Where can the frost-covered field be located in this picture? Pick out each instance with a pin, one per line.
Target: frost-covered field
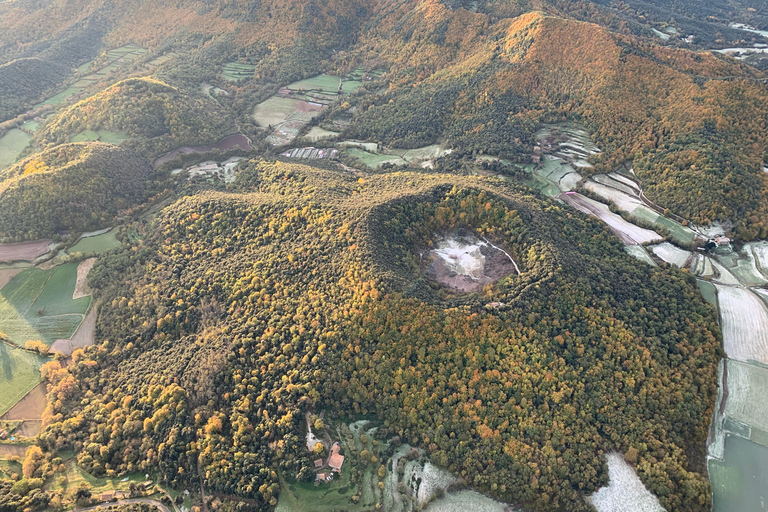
(639, 252)
(624, 492)
(466, 501)
(629, 233)
(744, 323)
(722, 275)
(747, 385)
(623, 200)
(671, 254)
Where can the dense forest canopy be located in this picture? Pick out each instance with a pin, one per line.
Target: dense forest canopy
(79, 187)
(235, 308)
(294, 289)
(155, 116)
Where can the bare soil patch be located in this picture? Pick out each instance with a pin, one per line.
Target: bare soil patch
(30, 407)
(466, 264)
(81, 286)
(23, 251)
(9, 450)
(29, 428)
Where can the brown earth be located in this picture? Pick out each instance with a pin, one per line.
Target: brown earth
(497, 265)
(30, 407)
(81, 286)
(24, 250)
(7, 274)
(9, 450)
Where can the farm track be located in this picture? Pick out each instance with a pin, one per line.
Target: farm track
(155, 503)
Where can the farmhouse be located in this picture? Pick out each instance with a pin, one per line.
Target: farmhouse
(3, 434)
(336, 460)
(318, 463)
(107, 496)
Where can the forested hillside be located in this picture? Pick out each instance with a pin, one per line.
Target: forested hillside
(298, 288)
(694, 124)
(80, 187)
(153, 115)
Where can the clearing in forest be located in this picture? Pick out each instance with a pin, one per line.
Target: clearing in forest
(287, 112)
(95, 244)
(466, 264)
(624, 491)
(235, 71)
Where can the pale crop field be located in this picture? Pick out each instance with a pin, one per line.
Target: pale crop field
(745, 324)
(747, 384)
(624, 492)
(671, 254)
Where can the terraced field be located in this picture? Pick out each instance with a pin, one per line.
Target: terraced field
(235, 71)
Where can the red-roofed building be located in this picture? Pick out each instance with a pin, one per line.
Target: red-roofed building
(336, 460)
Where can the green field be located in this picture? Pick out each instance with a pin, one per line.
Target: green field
(234, 71)
(19, 373)
(75, 476)
(95, 244)
(740, 481)
(37, 305)
(374, 160)
(708, 291)
(11, 145)
(101, 135)
(326, 83)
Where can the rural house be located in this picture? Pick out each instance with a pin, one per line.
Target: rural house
(336, 460)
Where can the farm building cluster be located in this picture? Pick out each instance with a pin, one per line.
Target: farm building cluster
(330, 466)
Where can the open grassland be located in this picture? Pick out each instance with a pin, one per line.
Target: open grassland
(708, 291)
(37, 305)
(745, 324)
(11, 145)
(76, 476)
(95, 244)
(19, 373)
(740, 481)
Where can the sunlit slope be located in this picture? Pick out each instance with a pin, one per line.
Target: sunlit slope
(694, 124)
(155, 116)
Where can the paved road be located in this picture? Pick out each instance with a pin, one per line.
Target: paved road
(157, 504)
